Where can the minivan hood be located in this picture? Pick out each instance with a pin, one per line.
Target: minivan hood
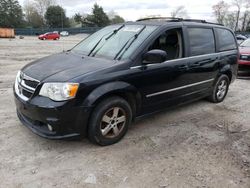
(64, 66)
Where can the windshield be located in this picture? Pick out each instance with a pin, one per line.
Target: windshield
(109, 41)
(246, 43)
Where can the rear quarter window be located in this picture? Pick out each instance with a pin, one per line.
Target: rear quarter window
(226, 40)
(201, 41)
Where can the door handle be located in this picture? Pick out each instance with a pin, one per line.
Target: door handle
(203, 62)
(197, 64)
(183, 67)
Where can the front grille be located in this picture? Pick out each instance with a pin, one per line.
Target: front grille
(25, 86)
(30, 83)
(245, 57)
(27, 93)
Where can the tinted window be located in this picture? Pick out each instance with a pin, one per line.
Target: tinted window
(201, 41)
(226, 40)
(170, 42)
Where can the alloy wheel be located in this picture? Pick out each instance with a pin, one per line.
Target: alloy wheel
(222, 89)
(113, 122)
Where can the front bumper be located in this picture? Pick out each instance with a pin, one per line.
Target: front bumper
(67, 120)
(43, 130)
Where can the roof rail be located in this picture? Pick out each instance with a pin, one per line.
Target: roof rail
(177, 20)
(200, 21)
(160, 18)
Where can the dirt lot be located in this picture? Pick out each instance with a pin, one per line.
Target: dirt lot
(197, 145)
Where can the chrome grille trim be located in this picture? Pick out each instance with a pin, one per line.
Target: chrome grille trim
(24, 86)
(25, 77)
(20, 86)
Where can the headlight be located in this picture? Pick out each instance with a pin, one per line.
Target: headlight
(59, 91)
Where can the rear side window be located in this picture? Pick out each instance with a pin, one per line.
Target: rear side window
(201, 41)
(226, 40)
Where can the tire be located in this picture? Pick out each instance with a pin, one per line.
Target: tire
(220, 89)
(109, 121)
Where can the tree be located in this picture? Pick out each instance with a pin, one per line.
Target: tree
(220, 11)
(32, 17)
(55, 17)
(179, 11)
(43, 5)
(230, 20)
(246, 16)
(72, 22)
(238, 4)
(237, 20)
(117, 19)
(98, 17)
(11, 14)
(78, 18)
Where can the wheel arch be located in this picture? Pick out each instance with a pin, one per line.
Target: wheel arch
(118, 88)
(227, 70)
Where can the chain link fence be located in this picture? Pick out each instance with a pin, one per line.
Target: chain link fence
(72, 31)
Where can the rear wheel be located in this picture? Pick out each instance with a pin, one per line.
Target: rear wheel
(220, 89)
(109, 121)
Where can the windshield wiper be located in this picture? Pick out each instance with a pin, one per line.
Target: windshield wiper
(129, 44)
(113, 33)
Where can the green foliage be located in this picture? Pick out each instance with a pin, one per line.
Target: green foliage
(78, 18)
(98, 17)
(55, 17)
(11, 14)
(117, 19)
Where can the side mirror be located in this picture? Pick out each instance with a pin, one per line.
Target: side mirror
(154, 56)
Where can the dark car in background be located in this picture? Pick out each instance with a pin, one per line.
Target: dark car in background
(49, 36)
(122, 73)
(244, 59)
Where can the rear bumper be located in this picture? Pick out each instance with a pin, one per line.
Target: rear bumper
(244, 67)
(242, 62)
(67, 121)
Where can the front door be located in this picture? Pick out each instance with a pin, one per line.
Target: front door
(163, 84)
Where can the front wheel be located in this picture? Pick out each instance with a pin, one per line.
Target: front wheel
(109, 121)
(220, 89)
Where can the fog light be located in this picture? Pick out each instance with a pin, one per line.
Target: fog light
(50, 127)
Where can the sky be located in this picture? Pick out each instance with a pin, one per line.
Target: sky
(135, 9)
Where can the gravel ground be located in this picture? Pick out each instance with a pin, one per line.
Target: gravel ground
(196, 145)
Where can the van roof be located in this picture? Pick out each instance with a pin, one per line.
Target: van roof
(171, 20)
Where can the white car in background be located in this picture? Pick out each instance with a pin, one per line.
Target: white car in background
(64, 33)
(240, 39)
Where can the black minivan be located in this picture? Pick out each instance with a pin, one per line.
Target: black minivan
(123, 72)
